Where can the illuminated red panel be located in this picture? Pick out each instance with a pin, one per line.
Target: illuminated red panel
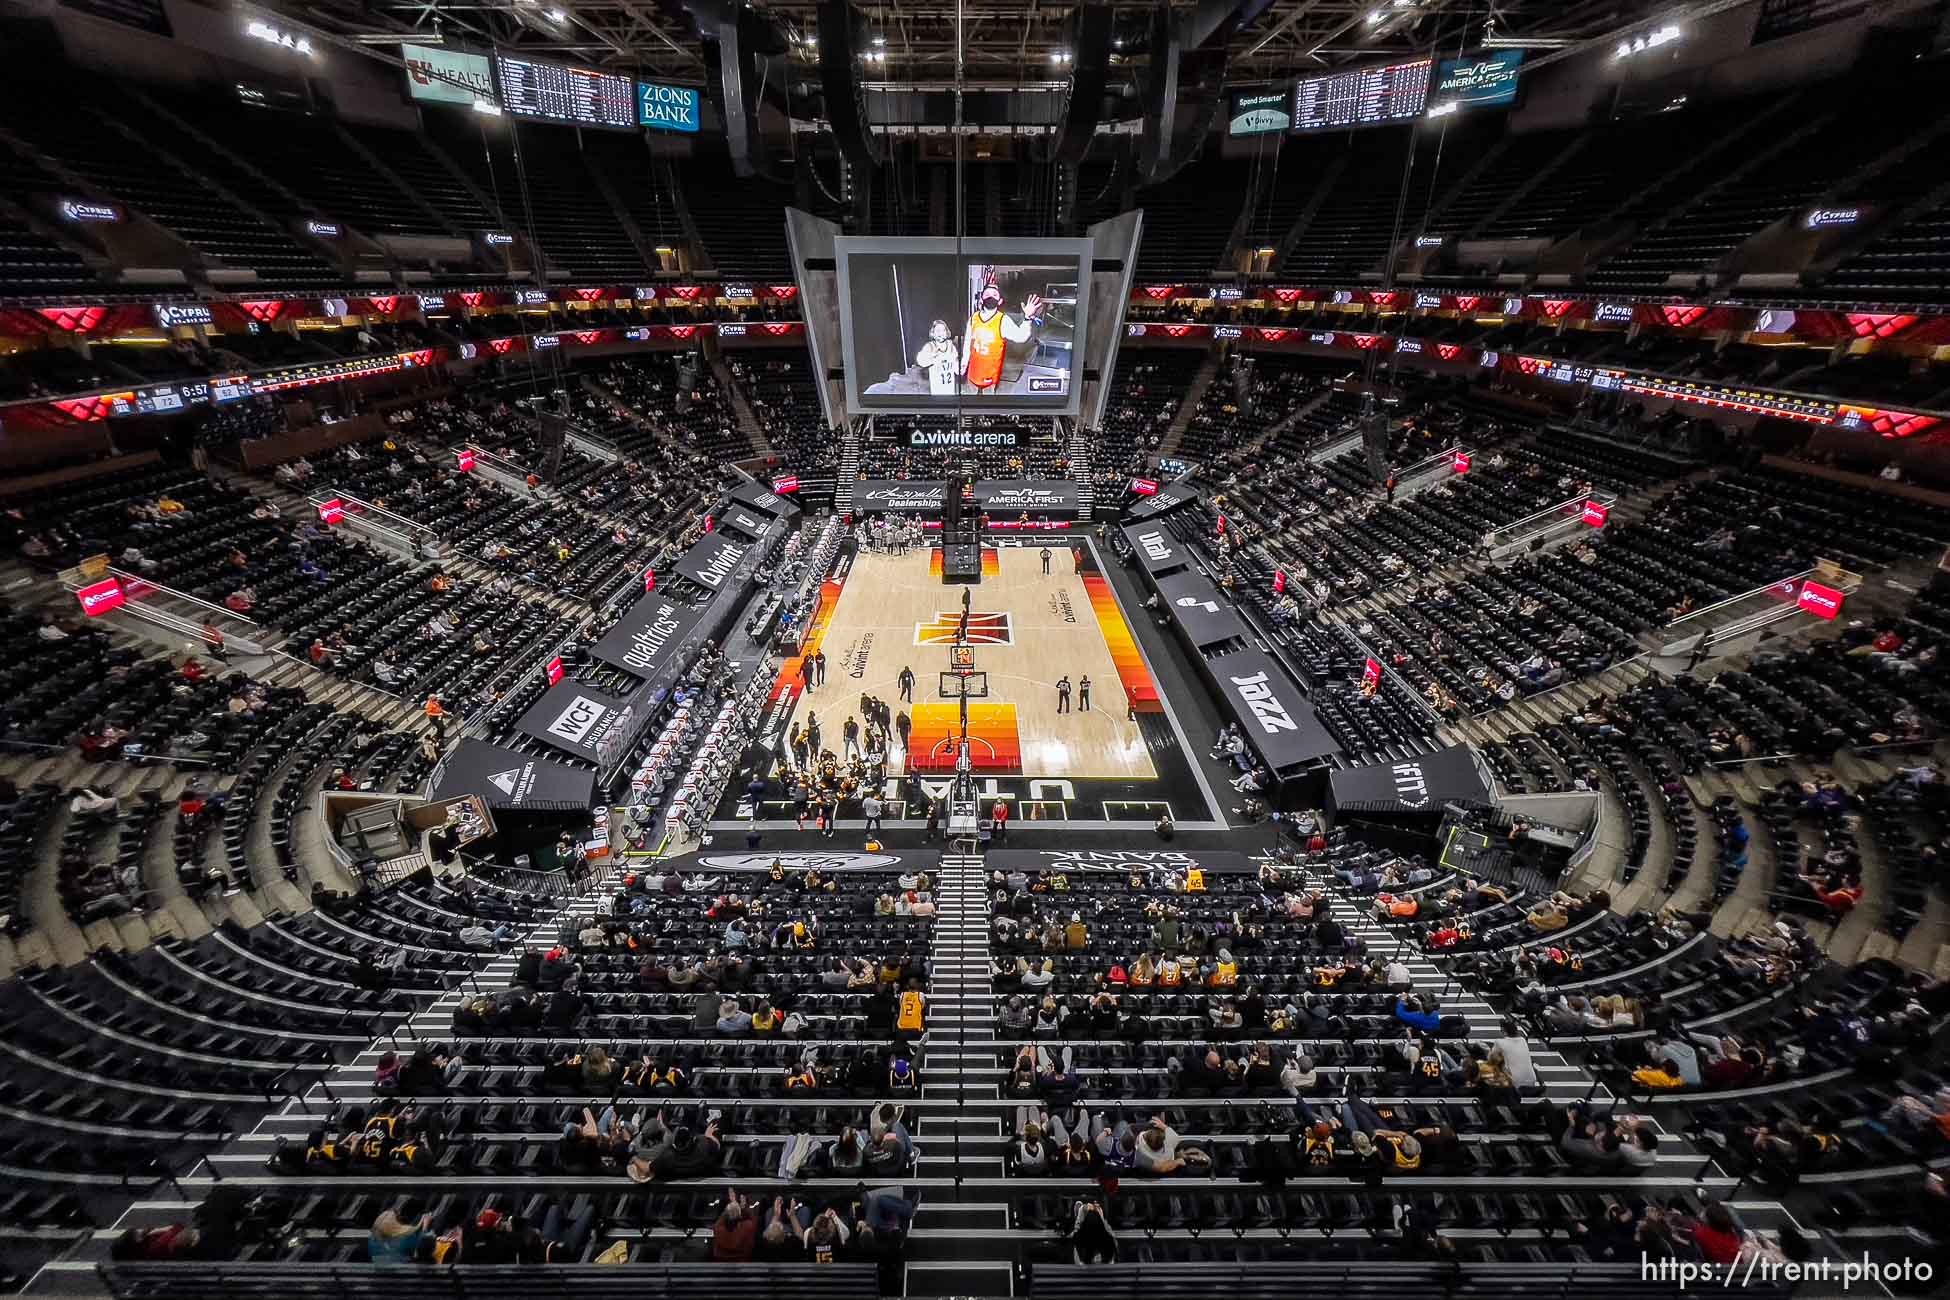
(786, 292)
(90, 409)
(682, 331)
(1272, 335)
(1366, 342)
(591, 294)
(1159, 292)
(1388, 299)
(1448, 351)
(1468, 302)
(780, 327)
(1679, 317)
(1889, 424)
(686, 291)
(1178, 331)
(502, 344)
(472, 298)
(1555, 307)
(75, 320)
(1289, 296)
(263, 312)
(384, 306)
(1879, 325)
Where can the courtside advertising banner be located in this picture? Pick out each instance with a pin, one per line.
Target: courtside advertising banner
(1157, 550)
(648, 638)
(875, 496)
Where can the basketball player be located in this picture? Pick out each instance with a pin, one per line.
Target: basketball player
(990, 330)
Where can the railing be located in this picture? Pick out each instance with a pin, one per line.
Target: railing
(1776, 601)
(136, 586)
(1558, 689)
(1447, 456)
(406, 535)
(522, 880)
(1924, 742)
(1520, 532)
(1429, 712)
(595, 447)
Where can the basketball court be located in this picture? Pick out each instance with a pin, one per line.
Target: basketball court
(1025, 630)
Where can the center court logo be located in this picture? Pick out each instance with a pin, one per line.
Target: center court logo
(983, 629)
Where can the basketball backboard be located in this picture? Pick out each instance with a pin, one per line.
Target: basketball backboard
(968, 685)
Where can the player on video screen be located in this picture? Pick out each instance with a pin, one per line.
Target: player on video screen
(941, 359)
(990, 330)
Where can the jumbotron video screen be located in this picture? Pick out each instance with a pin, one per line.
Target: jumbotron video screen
(936, 324)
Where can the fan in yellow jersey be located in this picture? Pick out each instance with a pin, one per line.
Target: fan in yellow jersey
(990, 330)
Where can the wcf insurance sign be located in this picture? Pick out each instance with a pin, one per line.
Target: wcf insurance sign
(666, 108)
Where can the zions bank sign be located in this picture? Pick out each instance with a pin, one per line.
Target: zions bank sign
(666, 108)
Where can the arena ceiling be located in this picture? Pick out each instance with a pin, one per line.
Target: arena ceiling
(1002, 42)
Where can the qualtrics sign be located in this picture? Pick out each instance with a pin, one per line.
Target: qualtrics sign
(1822, 602)
(1595, 514)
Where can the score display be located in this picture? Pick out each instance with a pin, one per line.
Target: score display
(557, 92)
(1393, 92)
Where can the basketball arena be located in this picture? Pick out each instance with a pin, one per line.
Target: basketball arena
(1077, 649)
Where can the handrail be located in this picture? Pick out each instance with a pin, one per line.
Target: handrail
(1564, 685)
(1795, 578)
(1846, 749)
(408, 531)
(1846, 580)
(153, 586)
(306, 663)
(1556, 513)
(1430, 462)
(1388, 670)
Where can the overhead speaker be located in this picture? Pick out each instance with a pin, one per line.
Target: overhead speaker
(838, 60)
(1090, 47)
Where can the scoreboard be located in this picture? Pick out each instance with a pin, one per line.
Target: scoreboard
(1393, 92)
(557, 92)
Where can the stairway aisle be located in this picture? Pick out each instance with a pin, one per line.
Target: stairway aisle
(849, 471)
(1082, 471)
(955, 1227)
